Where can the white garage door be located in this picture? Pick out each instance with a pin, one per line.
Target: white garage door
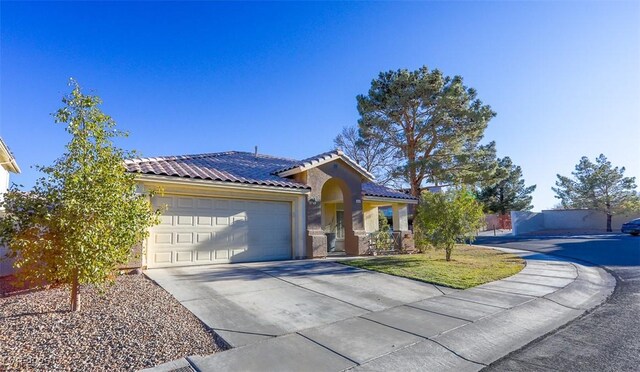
(200, 231)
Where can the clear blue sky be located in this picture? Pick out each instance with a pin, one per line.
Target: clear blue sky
(197, 77)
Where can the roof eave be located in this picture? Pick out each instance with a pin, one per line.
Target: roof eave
(144, 177)
(335, 156)
(387, 199)
(7, 160)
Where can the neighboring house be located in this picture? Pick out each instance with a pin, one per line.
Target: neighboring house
(238, 206)
(9, 165)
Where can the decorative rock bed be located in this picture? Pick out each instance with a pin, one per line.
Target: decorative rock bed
(134, 324)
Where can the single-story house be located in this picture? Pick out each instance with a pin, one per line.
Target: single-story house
(240, 206)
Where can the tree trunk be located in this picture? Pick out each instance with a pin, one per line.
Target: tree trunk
(75, 293)
(448, 253)
(609, 222)
(412, 173)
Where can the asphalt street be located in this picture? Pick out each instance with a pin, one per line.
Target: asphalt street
(605, 339)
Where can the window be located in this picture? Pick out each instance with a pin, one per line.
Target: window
(340, 224)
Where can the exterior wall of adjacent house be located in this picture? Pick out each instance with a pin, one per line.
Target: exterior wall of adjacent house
(577, 220)
(4, 181)
(6, 266)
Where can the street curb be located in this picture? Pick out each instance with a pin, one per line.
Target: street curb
(586, 312)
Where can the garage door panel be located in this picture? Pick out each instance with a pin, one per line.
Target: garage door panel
(203, 238)
(184, 256)
(184, 238)
(163, 202)
(222, 221)
(166, 220)
(204, 221)
(185, 203)
(205, 204)
(162, 257)
(195, 230)
(221, 255)
(185, 220)
(163, 238)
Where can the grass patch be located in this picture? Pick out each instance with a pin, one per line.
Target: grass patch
(469, 266)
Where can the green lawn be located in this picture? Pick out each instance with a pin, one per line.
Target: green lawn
(469, 266)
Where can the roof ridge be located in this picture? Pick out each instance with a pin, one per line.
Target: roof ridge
(179, 157)
(203, 155)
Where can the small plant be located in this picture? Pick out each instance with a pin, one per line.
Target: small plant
(384, 235)
(444, 219)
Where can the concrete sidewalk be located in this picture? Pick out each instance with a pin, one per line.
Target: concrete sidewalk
(460, 330)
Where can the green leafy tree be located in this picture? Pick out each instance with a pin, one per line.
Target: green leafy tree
(509, 193)
(81, 220)
(598, 186)
(447, 218)
(435, 124)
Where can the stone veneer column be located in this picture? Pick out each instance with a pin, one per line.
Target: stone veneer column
(316, 244)
(403, 241)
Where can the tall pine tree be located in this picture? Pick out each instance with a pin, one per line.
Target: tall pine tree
(508, 194)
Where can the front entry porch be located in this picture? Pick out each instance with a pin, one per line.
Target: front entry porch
(349, 220)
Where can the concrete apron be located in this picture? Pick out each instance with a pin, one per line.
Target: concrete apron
(460, 330)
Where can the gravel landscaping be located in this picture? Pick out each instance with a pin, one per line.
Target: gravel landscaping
(134, 324)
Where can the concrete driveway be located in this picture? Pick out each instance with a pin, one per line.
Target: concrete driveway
(246, 303)
(329, 317)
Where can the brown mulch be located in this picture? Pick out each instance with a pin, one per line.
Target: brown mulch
(134, 324)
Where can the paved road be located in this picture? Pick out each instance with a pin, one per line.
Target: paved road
(607, 338)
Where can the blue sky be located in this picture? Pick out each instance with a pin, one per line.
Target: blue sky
(184, 78)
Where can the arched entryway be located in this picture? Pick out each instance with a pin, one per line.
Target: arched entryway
(334, 205)
(336, 215)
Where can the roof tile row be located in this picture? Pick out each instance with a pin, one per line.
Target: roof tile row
(241, 167)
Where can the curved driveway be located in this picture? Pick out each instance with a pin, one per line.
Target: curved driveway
(607, 338)
(318, 315)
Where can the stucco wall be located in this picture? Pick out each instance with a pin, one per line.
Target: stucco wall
(6, 266)
(4, 180)
(371, 222)
(524, 222)
(566, 219)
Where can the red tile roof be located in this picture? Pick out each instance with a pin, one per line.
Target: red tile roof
(231, 166)
(241, 167)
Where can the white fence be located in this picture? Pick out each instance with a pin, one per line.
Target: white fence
(566, 219)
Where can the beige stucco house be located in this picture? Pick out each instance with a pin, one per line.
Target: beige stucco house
(240, 207)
